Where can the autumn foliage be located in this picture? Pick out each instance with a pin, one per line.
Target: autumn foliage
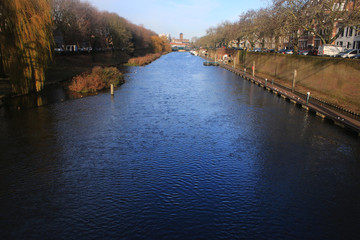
(98, 79)
(30, 29)
(160, 44)
(141, 61)
(25, 42)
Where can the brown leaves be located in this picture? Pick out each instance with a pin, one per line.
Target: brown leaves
(98, 79)
(26, 42)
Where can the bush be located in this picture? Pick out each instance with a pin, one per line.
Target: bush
(141, 61)
(98, 79)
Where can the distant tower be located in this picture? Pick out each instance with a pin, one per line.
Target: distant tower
(181, 37)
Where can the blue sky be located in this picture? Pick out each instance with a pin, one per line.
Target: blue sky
(191, 17)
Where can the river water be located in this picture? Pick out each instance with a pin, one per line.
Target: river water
(182, 151)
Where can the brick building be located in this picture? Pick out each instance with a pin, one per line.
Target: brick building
(180, 44)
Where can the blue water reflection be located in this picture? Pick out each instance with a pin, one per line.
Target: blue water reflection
(182, 151)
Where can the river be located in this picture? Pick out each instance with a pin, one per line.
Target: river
(182, 151)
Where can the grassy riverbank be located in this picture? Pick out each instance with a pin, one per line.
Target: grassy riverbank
(144, 60)
(64, 67)
(90, 73)
(333, 80)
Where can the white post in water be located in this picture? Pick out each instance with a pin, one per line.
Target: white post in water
(112, 89)
(307, 97)
(265, 82)
(293, 83)
(234, 62)
(244, 71)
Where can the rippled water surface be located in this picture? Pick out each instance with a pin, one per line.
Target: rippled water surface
(182, 151)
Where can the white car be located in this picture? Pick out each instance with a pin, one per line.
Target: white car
(349, 53)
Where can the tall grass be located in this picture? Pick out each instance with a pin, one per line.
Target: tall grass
(141, 61)
(98, 79)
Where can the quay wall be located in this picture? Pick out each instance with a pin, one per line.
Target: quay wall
(336, 80)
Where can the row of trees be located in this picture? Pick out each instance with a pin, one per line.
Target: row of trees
(81, 24)
(287, 19)
(28, 29)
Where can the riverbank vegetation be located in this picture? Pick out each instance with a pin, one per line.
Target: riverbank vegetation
(160, 45)
(141, 61)
(98, 79)
(30, 30)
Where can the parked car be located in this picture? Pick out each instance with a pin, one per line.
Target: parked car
(289, 51)
(58, 49)
(257, 49)
(303, 52)
(330, 50)
(313, 52)
(282, 51)
(71, 48)
(357, 56)
(349, 53)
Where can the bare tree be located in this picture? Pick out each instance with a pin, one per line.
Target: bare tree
(321, 17)
(117, 33)
(249, 30)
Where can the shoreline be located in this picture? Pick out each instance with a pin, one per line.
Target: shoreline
(337, 118)
(66, 66)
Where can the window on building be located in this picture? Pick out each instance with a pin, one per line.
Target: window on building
(340, 43)
(357, 44)
(350, 31)
(348, 45)
(342, 32)
(342, 6)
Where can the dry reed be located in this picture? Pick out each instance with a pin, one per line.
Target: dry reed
(98, 79)
(141, 61)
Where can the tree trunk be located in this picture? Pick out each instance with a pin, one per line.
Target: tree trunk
(2, 70)
(295, 43)
(276, 43)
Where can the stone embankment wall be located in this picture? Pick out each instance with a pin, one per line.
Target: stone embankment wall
(335, 79)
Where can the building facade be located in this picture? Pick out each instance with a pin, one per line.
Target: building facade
(180, 43)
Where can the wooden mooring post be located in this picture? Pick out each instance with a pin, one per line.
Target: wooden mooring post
(112, 89)
(307, 97)
(253, 69)
(293, 83)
